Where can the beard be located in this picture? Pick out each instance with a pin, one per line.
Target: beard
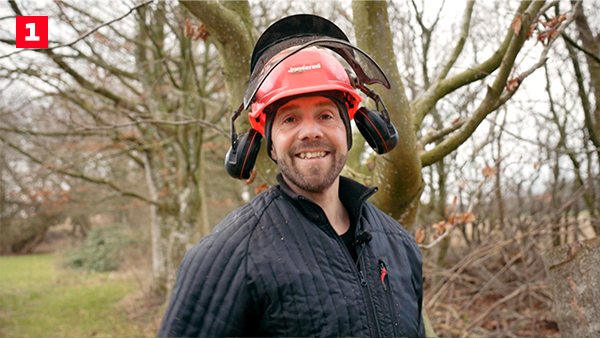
(314, 178)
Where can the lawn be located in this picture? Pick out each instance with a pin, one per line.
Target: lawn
(40, 299)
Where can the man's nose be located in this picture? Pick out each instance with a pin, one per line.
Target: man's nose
(310, 129)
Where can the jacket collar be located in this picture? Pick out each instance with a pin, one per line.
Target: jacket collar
(352, 194)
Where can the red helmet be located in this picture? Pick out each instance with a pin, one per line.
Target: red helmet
(310, 70)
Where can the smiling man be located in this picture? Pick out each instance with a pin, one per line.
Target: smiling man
(309, 144)
(310, 256)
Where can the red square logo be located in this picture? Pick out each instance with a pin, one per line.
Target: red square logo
(32, 32)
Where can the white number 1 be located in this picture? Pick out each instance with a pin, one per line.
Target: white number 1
(31, 37)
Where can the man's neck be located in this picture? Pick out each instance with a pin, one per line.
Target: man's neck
(329, 201)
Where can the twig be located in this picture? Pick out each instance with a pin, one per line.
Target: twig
(175, 123)
(90, 130)
(447, 232)
(502, 301)
(484, 251)
(581, 48)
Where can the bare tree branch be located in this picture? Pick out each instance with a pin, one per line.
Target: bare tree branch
(78, 175)
(581, 48)
(50, 134)
(15, 8)
(464, 33)
(424, 103)
(435, 135)
(495, 98)
(173, 123)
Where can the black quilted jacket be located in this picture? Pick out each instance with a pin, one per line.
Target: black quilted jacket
(276, 267)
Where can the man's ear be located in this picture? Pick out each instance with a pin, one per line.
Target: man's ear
(273, 154)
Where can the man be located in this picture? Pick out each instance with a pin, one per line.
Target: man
(310, 256)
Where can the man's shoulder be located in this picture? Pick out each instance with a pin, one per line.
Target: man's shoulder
(235, 229)
(248, 214)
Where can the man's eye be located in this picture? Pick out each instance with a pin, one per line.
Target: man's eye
(289, 119)
(326, 117)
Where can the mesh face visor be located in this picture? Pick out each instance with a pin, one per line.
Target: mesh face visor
(366, 69)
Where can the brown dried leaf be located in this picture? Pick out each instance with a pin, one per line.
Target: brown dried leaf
(452, 218)
(562, 17)
(252, 177)
(513, 84)
(261, 188)
(460, 219)
(455, 120)
(551, 23)
(553, 33)
(536, 164)
(468, 217)
(516, 25)
(201, 33)
(420, 236)
(438, 225)
(531, 29)
(102, 39)
(488, 172)
(542, 37)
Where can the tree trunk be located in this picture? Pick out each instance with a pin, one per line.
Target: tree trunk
(398, 173)
(574, 274)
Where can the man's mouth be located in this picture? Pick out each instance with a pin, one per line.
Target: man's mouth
(314, 154)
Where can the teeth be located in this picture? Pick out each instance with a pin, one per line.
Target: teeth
(312, 155)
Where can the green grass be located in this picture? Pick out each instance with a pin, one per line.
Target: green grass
(39, 299)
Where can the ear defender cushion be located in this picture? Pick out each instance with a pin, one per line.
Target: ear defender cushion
(381, 136)
(240, 161)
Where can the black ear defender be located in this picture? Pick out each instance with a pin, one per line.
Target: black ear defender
(376, 127)
(381, 135)
(243, 152)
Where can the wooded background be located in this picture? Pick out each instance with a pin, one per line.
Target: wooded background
(125, 119)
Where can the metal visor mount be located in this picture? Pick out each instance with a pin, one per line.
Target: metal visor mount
(234, 135)
(365, 68)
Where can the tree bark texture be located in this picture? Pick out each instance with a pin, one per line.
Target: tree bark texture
(230, 27)
(398, 173)
(574, 274)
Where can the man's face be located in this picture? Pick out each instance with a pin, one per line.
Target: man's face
(309, 142)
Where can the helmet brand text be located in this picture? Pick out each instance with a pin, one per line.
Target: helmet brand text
(302, 68)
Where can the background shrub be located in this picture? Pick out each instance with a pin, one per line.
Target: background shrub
(102, 249)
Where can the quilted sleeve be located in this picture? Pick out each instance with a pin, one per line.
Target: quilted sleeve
(211, 296)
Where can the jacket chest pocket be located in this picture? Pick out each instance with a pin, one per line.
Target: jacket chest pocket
(389, 296)
(400, 296)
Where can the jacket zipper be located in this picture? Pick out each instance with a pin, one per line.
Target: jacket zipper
(369, 300)
(387, 287)
(374, 326)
